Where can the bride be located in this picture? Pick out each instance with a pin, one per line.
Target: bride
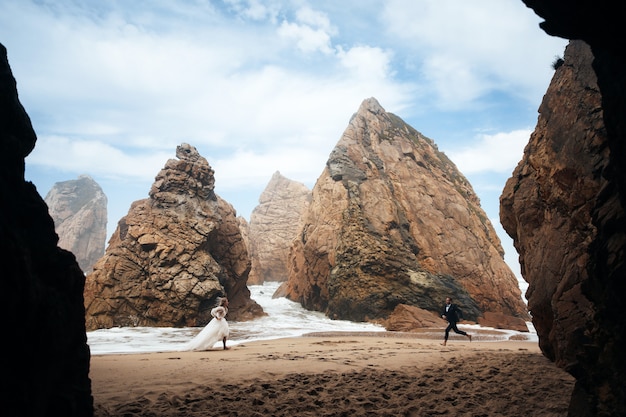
(214, 331)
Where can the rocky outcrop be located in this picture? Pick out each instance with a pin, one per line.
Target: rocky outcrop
(45, 360)
(392, 221)
(79, 210)
(580, 322)
(172, 255)
(547, 204)
(274, 224)
(405, 318)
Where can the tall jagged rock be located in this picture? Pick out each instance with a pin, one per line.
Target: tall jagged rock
(172, 255)
(581, 323)
(79, 210)
(392, 221)
(45, 359)
(274, 224)
(547, 204)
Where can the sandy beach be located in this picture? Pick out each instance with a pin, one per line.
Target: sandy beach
(335, 374)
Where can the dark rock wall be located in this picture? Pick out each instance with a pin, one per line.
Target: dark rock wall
(600, 366)
(547, 206)
(45, 360)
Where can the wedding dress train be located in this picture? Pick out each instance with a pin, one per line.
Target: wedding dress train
(215, 331)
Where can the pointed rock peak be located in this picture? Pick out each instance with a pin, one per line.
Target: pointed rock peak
(189, 176)
(371, 105)
(277, 176)
(282, 188)
(185, 151)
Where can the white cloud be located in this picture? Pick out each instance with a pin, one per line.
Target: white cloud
(253, 9)
(95, 158)
(311, 32)
(492, 153)
(258, 86)
(306, 38)
(452, 82)
(484, 46)
(303, 164)
(367, 63)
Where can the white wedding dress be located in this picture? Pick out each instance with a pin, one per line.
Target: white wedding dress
(215, 331)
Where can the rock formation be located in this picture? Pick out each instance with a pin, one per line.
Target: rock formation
(547, 204)
(79, 210)
(244, 228)
(45, 360)
(274, 224)
(578, 147)
(172, 255)
(392, 221)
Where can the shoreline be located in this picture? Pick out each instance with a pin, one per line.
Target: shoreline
(148, 340)
(333, 374)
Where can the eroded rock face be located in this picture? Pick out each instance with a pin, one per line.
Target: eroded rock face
(79, 210)
(45, 360)
(599, 338)
(274, 224)
(547, 204)
(392, 221)
(172, 255)
(244, 228)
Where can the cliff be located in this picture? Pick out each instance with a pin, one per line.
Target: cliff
(172, 255)
(79, 210)
(392, 221)
(579, 318)
(45, 360)
(274, 224)
(547, 204)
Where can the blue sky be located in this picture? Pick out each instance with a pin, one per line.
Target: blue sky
(112, 87)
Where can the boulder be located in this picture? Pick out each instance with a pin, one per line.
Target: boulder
(502, 321)
(405, 318)
(172, 255)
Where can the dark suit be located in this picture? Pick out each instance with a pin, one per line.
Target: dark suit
(452, 315)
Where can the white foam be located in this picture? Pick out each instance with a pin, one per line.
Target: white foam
(285, 319)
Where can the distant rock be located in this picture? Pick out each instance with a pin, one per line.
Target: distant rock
(79, 210)
(274, 224)
(392, 221)
(172, 255)
(244, 228)
(45, 356)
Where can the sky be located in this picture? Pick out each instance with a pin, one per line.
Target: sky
(113, 86)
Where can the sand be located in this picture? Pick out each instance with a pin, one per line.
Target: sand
(335, 374)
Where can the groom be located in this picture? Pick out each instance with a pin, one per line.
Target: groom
(451, 314)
